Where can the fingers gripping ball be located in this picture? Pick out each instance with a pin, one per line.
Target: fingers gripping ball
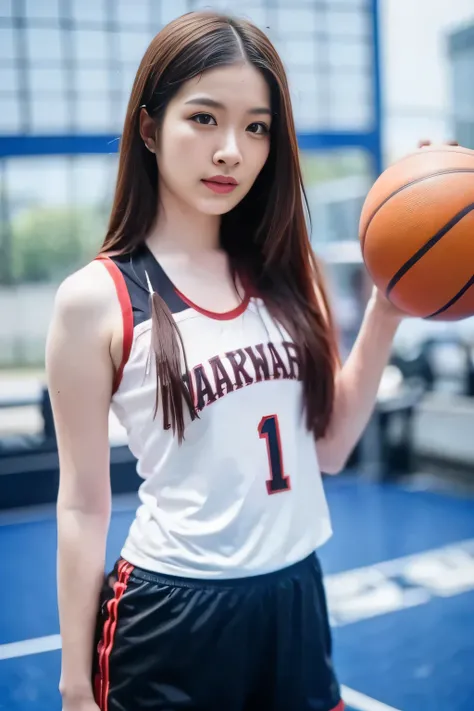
(417, 233)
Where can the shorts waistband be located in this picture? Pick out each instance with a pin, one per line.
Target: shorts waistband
(291, 571)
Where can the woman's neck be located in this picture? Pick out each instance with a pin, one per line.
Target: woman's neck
(179, 228)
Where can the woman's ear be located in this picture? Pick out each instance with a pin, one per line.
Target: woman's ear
(147, 128)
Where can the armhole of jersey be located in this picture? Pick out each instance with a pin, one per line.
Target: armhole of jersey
(127, 315)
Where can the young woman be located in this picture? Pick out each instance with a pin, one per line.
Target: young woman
(204, 323)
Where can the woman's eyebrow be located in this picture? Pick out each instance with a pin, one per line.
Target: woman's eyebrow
(213, 104)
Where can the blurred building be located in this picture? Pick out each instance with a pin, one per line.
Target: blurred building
(461, 49)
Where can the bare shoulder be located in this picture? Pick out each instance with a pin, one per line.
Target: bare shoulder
(84, 341)
(87, 295)
(86, 322)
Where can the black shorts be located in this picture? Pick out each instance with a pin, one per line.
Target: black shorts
(255, 644)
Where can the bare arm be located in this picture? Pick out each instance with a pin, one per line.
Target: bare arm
(80, 372)
(357, 384)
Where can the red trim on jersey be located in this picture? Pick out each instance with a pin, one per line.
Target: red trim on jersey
(220, 316)
(127, 315)
(108, 634)
(340, 707)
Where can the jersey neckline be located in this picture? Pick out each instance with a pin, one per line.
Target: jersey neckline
(217, 315)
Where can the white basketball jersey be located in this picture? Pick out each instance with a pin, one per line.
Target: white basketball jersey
(242, 494)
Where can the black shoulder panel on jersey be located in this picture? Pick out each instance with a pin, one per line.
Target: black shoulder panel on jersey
(134, 268)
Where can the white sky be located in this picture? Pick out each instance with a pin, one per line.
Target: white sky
(416, 69)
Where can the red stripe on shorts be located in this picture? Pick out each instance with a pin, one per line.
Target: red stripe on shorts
(108, 634)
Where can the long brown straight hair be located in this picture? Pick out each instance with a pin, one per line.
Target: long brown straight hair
(265, 235)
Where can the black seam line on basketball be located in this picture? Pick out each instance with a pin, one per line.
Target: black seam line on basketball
(449, 171)
(426, 247)
(452, 301)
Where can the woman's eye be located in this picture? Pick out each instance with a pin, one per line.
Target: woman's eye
(204, 119)
(259, 128)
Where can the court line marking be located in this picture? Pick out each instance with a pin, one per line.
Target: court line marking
(396, 565)
(52, 643)
(30, 646)
(361, 702)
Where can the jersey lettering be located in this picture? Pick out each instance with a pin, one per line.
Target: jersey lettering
(259, 362)
(221, 377)
(204, 392)
(279, 370)
(293, 360)
(239, 371)
(223, 374)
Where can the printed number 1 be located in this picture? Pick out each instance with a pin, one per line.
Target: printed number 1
(269, 430)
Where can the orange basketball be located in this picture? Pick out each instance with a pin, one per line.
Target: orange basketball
(417, 233)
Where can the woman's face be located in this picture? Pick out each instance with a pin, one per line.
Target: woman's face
(216, 128)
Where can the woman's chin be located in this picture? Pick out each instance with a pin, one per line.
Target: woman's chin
(216, 206)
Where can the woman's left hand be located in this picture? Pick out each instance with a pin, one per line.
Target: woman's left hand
(381, 304)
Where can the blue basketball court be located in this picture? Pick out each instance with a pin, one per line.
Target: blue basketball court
(400, 581)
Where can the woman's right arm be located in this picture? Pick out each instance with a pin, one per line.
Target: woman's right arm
(80, 368)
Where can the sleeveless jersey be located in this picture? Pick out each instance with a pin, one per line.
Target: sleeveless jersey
(242, 495)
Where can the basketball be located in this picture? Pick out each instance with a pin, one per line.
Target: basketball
(417, 233)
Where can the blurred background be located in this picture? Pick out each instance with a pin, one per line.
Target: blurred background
(369, 79)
